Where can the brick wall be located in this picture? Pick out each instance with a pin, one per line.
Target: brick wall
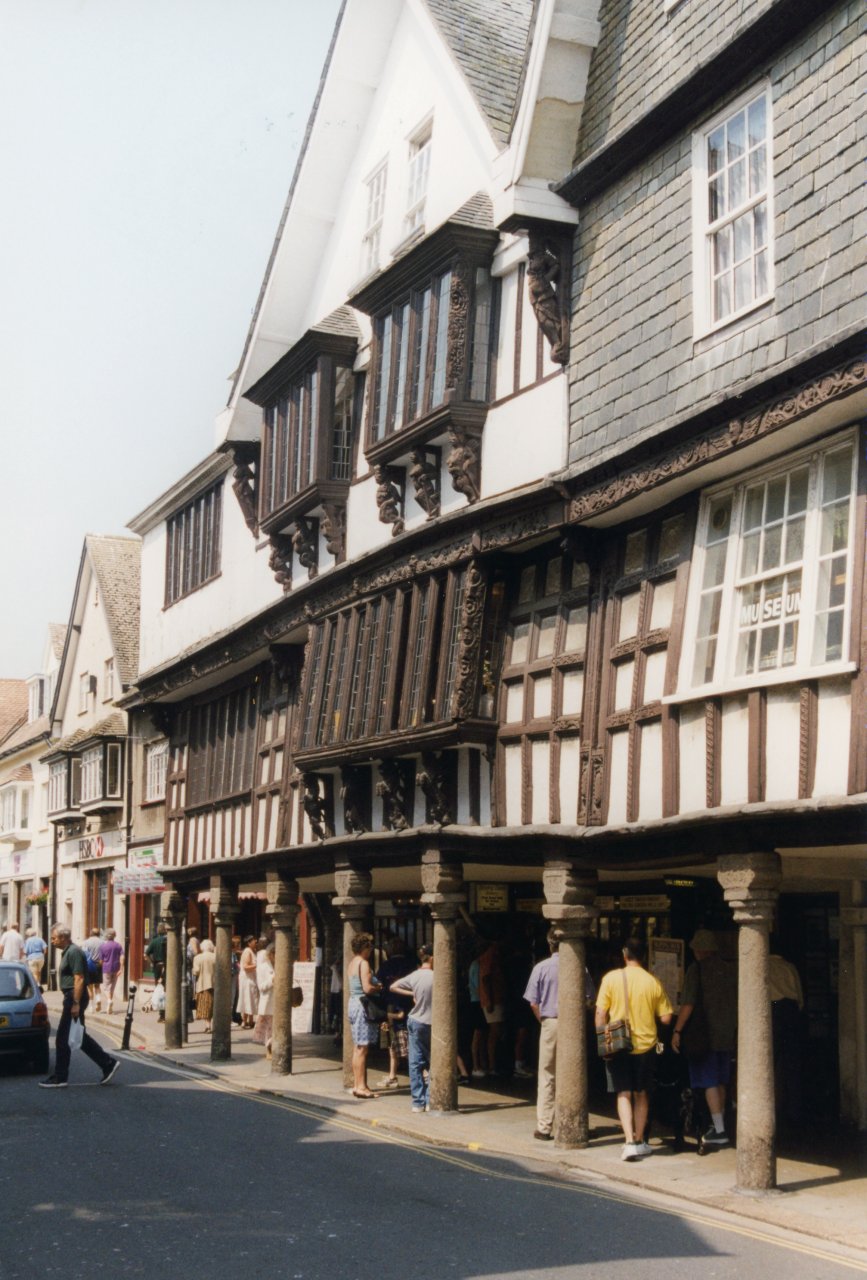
(635, 368)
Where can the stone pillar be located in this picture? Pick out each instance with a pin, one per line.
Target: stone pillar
(853, 941)
(569, 895)
(173, 910)
(282, 911)
(353, 901)
(750, 884)
(442, 884)
(224, 909)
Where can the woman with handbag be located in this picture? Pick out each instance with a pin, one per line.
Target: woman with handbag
(364, 1027)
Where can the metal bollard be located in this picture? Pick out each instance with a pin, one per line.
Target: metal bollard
(127, 1023)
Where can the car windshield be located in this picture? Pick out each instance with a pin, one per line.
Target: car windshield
(14, 985)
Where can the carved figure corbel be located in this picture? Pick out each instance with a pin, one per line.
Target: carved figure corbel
(350, 794)
(425, 476)
(244, 487)
(280, 559)
(432, 782)
(334, 530)
(305, 544)
(315, 807)
(548, 292)
(464, 463)
(392, 789)
(389, 496)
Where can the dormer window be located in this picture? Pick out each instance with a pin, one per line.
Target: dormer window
(371, 244)
(309, 403)
(418, 171)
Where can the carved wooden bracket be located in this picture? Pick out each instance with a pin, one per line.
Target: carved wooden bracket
(305, 544)
(548, 289)
(390, 491)
(334, 529)
(280, 559)
(464, 463)
(246, 460)
(394, 789)
(425, 476)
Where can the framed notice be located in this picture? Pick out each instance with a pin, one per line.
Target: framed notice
(665, 960)
(304, 976)
(492, 897)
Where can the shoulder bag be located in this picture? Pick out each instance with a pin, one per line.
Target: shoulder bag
(616, 1037)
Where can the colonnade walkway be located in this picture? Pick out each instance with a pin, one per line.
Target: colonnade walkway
(822, 1184)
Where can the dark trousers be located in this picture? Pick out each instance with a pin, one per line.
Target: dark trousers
(88, 1045)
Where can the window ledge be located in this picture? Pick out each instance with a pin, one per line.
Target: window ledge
(769, 679)
(465, 415)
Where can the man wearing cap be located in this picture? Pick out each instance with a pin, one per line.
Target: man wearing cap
(710, 986)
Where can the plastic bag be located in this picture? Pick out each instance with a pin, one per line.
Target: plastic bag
(76, 1033)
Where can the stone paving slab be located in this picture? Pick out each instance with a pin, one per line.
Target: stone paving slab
(820, 1196)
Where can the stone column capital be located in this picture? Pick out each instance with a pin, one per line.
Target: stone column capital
(352, 890)
(750, 884)
(566, 885)
(282, 907)
(173, 910)
(224, 902)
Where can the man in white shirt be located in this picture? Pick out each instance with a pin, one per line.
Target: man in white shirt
(12, 943)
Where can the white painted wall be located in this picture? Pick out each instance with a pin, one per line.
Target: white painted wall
(245, 586)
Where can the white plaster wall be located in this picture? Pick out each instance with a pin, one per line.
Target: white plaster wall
(650, 772)
(693, 759)
(245, 586)
(570, 776)
(92, 651)
(834, 729)
(734, 780)
(783, 744)
(525, 438)
(617, 777)
(418, 81)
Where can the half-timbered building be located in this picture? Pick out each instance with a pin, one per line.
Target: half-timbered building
(545, 590)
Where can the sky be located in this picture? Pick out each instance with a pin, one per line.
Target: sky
(146, 150)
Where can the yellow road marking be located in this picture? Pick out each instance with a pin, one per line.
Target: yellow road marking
(362, 1129)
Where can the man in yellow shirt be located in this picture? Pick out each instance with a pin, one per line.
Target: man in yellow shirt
(633, 994)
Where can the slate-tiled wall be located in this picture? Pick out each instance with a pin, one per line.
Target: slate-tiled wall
(635, 368)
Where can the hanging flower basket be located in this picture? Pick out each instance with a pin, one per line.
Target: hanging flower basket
(37, 899)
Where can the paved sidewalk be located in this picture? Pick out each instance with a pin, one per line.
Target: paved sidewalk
(822, 1193)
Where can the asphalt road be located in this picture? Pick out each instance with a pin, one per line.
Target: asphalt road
(163, 1174)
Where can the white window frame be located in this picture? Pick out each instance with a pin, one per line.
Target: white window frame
(92, 775)
(375, 187)
(419, 144)
(704, 322)
(723, 679)
(108, 681)
(156, 766)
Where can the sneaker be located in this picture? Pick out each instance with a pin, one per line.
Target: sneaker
(630, 1152)
(52, 1083)
(714, 1139)
(644, 1148)
(110, 1070)
(521, 1072)
(542, 1136)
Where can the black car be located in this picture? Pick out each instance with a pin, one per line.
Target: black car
(24, 1025)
